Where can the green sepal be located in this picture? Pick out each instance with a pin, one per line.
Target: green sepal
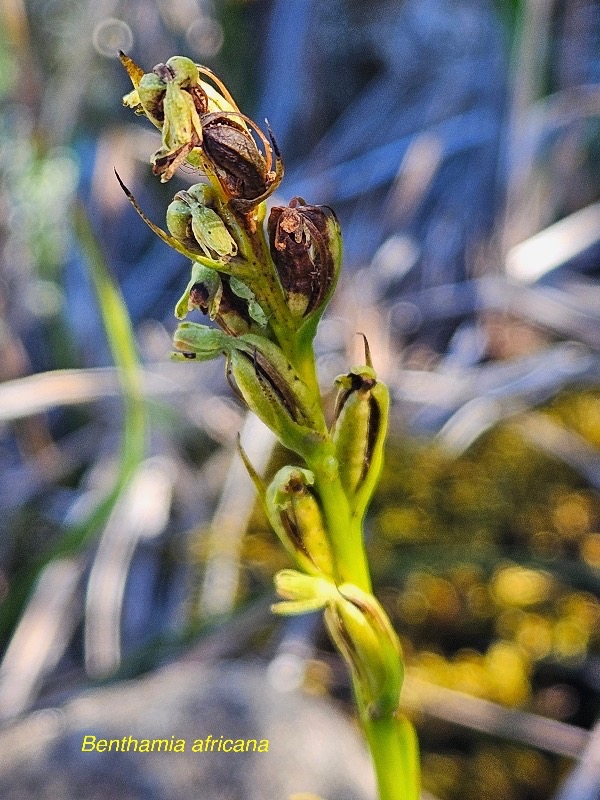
(181, 131)
(151, 91)
(179, 221)
(201, 342)
(243, 291)
(211, 234)
(185, 72)
(181, 123)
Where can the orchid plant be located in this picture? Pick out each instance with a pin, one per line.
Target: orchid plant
(265, 288)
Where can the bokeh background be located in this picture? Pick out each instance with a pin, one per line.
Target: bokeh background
(458, 142)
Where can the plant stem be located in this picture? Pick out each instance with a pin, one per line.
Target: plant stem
(265, 283)
(121, 340)
(393, 759)
(350, 559)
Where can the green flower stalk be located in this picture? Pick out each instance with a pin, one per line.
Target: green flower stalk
(265, 292)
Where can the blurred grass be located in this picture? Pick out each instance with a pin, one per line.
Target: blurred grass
(121, 340)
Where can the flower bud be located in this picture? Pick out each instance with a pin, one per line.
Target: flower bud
(294, 513)
(358, 432)
(198, 226)
(306, 249)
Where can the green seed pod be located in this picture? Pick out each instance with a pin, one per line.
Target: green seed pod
(272, 389)
(283, 375)
(358, 432)
(295, 515)
(263, 378)
(266, 394)
(361, 630)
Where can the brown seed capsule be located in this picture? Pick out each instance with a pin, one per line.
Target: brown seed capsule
(242, 170)
(306, 250)
(235, 156)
